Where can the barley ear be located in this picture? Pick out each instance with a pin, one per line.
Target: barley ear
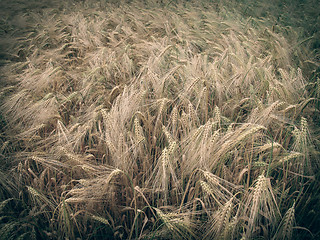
(285, 228)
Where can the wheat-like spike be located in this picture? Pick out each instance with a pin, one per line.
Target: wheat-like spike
(71, 156)
(215, 125)
(204, 102)
(168, 135)
(121, 142)
(226, 172)
(225, 215)
(217, 115)
(205, 186)
(174, 117)
(38, 196)
(137, 126)
(4, 203)
(113, 174)
(268, 146)
(74, 158)
(260, 164)
(209, 191)
(280, 104)
(184, 119)
(141, 96)
(304, 127)
(165, 220)
(172, 215)
(278, 90)
(8, 229)
(162, 105)
(192, 113)
(230, 128)
(179, 220)
(106, 119)
(214, 137)
(4, 146)
(260, 104)
(230, 228)
(164, 159)
(289, 108)
(292, 155)
(88, 168)
(140, 140)
(197, 133)
(210, 178)
(114, 93)
(111, 146)
(260, 187)
(261, 204)
(249, 133)
(165, 163)
(100, 219)
(193, 83)
(172, 147)
(288, 222)
(38, 159)
(296, 133)
(138, 131)
(301, 141)
(33, 191)
(76, 200)
(286, 225)
(83, 182)
(163, 102)
(64, 215)
(61, 129)
(207, 129)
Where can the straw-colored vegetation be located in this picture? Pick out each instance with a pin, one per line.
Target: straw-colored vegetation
(157, 120)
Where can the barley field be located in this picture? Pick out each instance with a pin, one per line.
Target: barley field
(159, 119)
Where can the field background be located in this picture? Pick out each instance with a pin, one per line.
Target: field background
(159, 119)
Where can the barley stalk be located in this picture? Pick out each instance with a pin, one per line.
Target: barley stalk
(111, 146)
(268, 146)
(174, 117)
(106, 119)
(172, 147)
(210, 178)
(162, 106)
(100, 219)
(206, 188)
(197, 133)
(184, 120)
(217, 116)
(112, 175)
(207, 130)
(288, 221)
(76, 200)
(214, 137)
(192, 114)
(248, 133)
(138, 131)
(286, 225)
(168, 135)
(292, 155)
(165, 219)
(224, 217)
